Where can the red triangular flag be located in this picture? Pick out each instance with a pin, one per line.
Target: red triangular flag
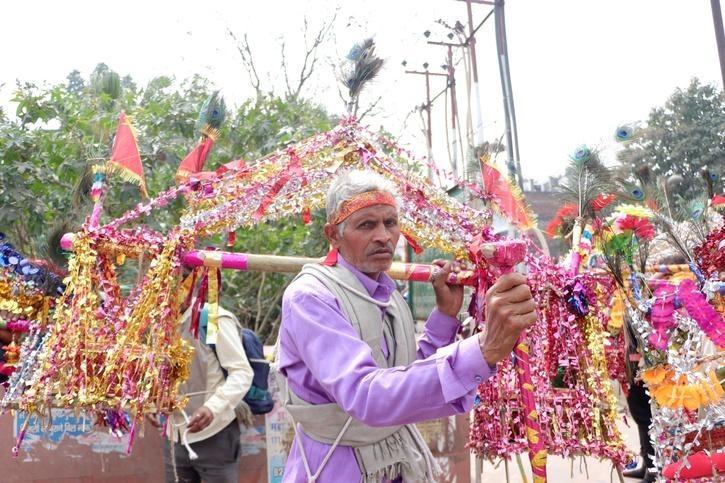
(194, 161)
(506, 196)
(125, 158)
(235, 165)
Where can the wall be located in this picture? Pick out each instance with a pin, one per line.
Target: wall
(74, 452)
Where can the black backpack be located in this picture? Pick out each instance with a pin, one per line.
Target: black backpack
(258, 397)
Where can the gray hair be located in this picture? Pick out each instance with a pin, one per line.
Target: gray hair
(352, 183)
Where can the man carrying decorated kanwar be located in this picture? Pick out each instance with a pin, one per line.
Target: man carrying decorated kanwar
(356, 382)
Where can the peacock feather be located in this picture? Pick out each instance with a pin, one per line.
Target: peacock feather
(52, 249)
(638, 189)
(711, 181)
(212, 115)
(624, 133)
(82, 189)
(365, 66)
(585, 178)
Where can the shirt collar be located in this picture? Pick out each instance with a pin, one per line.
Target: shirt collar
(379, 289)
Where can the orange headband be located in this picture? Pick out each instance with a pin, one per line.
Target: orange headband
(363, 200)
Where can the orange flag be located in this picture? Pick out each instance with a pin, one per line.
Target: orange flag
(125, 158)
(506, 196)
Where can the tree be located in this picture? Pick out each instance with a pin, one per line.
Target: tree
(60, 130)
(75, 81)
(682, 137)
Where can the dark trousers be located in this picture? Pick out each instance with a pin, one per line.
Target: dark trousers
(218, 460)
(639, 405)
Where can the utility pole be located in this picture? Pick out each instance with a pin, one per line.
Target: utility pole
(512, 141)
(471, 44)
(427, 106)
(451, 73)
(474, 137)
(478, 139)
(719, 36)
(454, 111)
(512, 136)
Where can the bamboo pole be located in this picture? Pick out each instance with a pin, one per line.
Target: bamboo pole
(413, 272)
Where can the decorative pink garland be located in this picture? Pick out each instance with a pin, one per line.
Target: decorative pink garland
(662, 315)
(709, 320)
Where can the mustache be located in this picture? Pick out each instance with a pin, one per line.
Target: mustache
(387, 248)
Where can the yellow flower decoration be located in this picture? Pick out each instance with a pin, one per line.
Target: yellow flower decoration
(616, 314)
(634, 210)
(679, 394)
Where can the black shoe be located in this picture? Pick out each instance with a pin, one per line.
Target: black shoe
(650, 477)
(640, 472)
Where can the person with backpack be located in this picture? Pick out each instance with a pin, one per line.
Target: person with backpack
(203, 440)
(355, 378)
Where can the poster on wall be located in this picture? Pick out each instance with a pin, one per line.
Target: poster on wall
(253, 439)
(279, 435)
(64, 423)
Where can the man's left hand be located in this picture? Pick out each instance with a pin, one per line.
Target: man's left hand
(448, 297)
(201, 418)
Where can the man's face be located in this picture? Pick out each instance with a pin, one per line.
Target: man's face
(369, 238)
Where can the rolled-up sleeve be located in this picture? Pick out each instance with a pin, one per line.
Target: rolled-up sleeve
(230, 352)
(316, 330)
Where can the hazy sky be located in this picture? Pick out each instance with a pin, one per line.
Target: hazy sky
(579, 67)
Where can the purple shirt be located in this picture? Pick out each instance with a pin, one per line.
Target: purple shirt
(324, 360)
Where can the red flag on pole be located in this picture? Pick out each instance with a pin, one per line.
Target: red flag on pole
(125, 158)
(506, 196)
(194, 161)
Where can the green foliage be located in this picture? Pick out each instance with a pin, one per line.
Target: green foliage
(682, 137)
(60, 130)
(255, 297)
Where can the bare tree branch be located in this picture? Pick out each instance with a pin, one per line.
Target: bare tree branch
(286, 71)
(342, 96)
(354, 106)
(370, 108)
(267, 319)
(310, 59)
(404, 126)
(248, 62)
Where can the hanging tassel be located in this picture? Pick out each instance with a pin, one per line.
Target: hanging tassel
(199, 303)
(21, 437)
(186, 291)
(231, 238)
(331, 258)
(131, 437)
(45, 311)
(413, 244)
(213, 304)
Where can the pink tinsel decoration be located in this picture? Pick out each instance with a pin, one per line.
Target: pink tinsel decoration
(709, 320)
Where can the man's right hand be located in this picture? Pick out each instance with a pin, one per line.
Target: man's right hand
(510, 309)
